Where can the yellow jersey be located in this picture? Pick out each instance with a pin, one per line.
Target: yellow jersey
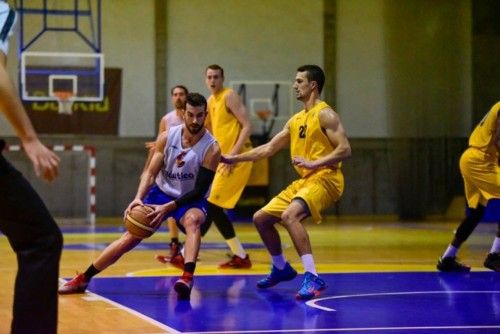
(222, 123)
(307, 138)
(483, 136)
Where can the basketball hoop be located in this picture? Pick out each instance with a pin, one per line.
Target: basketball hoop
(263, 114)
(65, 101)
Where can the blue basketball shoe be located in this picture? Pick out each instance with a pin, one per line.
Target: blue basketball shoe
(311, 287)
(276, 276)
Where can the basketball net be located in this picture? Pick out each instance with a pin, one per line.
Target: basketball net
(65, 101)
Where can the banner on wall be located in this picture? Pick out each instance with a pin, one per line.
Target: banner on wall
(99, 118)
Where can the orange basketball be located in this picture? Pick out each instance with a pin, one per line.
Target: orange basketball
(137, 222)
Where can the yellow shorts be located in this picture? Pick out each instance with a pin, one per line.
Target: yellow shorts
(226, 189)
(481, 176)
(319, 190)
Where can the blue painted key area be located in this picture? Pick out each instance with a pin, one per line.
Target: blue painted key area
(420, 302)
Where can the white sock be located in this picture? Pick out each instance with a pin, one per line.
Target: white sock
(279, 261)
(308, 262)
(495, 248)
(451, 251)
(236, 247)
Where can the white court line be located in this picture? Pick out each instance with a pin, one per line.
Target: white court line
(90, 296)
(313, 302)
(349, 329)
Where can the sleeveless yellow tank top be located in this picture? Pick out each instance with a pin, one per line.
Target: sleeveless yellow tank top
(483, 135)
(224, 125)
(307, 139)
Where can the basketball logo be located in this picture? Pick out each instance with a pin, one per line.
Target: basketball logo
(179, 159)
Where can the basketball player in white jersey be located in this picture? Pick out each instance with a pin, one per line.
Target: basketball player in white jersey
(173, 118)
(175, 184)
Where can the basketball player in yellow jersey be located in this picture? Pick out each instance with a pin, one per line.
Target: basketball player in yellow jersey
(318, 144)
(229, 123)
(479, 165)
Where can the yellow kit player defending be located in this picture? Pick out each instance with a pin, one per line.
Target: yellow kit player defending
(479, 165)
(229, 123)
(318, 144)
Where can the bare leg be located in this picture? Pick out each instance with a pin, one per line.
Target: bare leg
(264, 223)
(192, 221)
(172, 227)
(281, 270)
(115, 250)
(292, 221)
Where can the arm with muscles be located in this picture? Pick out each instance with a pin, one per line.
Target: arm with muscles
(278, 142)
(497, 136)
(204, 179)
(330, 122)
(149, 174)
(45, 162)
(237, 108)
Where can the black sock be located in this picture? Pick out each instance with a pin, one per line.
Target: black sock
(91, 272)
(190, 267)
(174, 241)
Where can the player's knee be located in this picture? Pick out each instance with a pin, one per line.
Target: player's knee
(288, 217)
(193, 221)
(259, 218)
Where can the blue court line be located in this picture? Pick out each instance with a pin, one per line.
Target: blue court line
(419, 302)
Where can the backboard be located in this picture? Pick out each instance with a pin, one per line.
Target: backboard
(269, 103)
(43, 73)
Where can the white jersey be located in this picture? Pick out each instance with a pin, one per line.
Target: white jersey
(181, 165)
(171, 119)
(8, 20)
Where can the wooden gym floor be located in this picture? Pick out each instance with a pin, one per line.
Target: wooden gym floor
(339, 247)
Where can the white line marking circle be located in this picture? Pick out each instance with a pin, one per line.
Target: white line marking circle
(313, 302)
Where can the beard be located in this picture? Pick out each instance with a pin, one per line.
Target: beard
(194, 128)
(179, 104)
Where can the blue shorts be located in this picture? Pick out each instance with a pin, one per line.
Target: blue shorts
(156, 196)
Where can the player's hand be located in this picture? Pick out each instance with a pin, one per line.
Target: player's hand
(301, 162)
(150, 145)
(225, 169)
(227, 159)
(45, 162)
(135, 202)
(159, 212)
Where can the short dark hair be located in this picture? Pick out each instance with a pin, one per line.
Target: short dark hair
(314, 73)
(215, 67)
(181, 87)
(196, 100)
